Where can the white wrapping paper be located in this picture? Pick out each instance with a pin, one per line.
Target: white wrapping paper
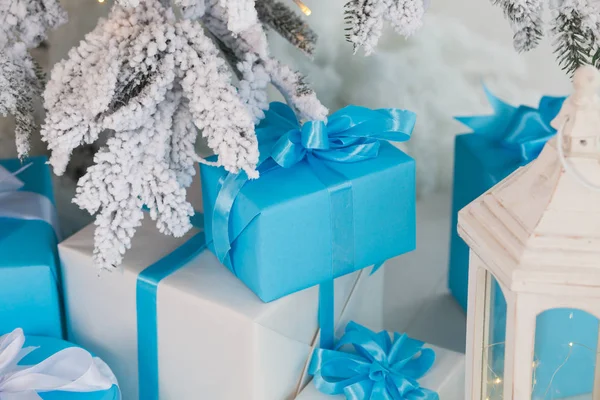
(216, 339)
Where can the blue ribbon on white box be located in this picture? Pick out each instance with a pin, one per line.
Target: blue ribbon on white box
(146, 301)
(378, 368)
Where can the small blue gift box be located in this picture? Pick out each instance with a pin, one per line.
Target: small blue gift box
(500, 144)
(332, 198)
(29, 291)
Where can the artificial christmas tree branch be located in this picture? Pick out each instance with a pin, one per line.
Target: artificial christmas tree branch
(23, 25)
(575, 26)
(365, 20)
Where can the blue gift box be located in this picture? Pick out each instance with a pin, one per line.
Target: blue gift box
(498, 146)
(46, 347)
(281, 227)
(29, 287)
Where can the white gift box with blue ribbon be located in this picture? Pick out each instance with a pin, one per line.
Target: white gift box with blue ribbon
(213, 338)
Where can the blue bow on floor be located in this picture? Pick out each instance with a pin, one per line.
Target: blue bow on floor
(523, 129)
(378, 369)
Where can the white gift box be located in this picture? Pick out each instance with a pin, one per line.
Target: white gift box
(446, 377)
(216, 339)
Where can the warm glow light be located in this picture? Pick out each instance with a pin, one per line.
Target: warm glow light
(100, 1)
(497, 381)
(303, 7)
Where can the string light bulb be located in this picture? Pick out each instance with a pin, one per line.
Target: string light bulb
(100, 1)
(303, 7)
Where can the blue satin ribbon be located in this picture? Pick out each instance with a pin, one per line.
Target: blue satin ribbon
(146, 303)
(352, 134)
(523, 130)
(377, 369)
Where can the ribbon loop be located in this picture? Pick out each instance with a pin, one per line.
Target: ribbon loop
(523, 130)
(72, 370)
(314, 135)
(379, 369)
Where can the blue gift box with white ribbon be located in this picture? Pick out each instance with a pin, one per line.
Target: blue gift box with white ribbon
(29, 286)
(499, 144)
(333, 197)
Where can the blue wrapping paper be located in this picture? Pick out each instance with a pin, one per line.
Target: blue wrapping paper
(29, 287)
(483, 159)
(281, 223)
(46, 347)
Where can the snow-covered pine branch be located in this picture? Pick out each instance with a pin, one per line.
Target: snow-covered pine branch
(365, 20)
(153, 81)
(575, 25)
(258, 68)
(238, 28)
(288, 24)
(19, 84)
(23, 25)
(28, 21)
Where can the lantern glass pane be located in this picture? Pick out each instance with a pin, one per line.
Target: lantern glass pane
(495, 334)
(565, 355)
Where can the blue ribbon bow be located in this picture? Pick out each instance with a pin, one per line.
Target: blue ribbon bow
(524, 130)
(352, 134)
(379, 368)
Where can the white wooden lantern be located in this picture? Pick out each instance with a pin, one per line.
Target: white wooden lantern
(538, 234)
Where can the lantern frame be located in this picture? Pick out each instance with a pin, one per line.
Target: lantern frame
(538, 234)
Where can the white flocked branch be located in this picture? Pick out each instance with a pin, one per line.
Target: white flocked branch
(153, 81)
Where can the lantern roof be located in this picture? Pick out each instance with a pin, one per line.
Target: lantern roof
(540, 227)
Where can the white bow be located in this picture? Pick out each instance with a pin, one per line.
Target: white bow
(71, 370)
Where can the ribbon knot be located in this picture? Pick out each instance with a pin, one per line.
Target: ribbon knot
(378, 372)
(377, 368)
(523, 130)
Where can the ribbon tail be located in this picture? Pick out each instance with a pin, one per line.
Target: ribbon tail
(327, 314)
